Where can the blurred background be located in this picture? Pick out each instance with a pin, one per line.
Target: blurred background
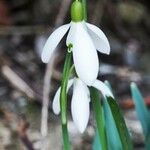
(24, 28)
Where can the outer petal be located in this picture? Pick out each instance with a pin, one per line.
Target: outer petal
(71, 34)
(103, 88)
(80, 105)
(53, 41)
(85, 55)
(56, 100)
(99, 38)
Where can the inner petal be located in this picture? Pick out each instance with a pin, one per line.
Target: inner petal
(80, 105)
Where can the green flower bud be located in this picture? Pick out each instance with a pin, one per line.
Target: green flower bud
(76, 11)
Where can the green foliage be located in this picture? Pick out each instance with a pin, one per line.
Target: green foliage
(99, 116)
(116, 131)
(142, 112)
(96, 144)
(113, 138)
(120, 124)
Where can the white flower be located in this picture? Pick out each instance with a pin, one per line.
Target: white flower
(80, 101)
(85, 39)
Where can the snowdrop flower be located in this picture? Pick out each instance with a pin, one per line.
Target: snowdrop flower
(85, 39)
(80, 101)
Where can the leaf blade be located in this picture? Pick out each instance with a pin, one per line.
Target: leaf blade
(120, 124)
(142, 112)
(141, 109)
(113, 138)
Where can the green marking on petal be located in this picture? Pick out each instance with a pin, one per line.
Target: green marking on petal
(70, 46)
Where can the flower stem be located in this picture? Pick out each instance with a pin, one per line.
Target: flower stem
(98, 111)
(84, 3)
(66, 143)
(63, 99)
(63, 93)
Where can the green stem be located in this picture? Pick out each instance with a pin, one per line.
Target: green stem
(63, 99)
(65, 135)
(84, 2)
(98, 111)
(63, 93)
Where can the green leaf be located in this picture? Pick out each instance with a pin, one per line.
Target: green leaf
(147, 142)
(113, 138)
(142, 111)
(120, 124)
(96, 144)
(99, 116)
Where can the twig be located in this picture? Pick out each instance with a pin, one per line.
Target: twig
(48, 75)
(13, 78)
(17, 82)
(23, 30)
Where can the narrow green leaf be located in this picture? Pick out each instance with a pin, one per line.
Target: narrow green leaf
(99, 116)
(113, 138)
(120, 124)
(96, 144)
(147, 142)
(141, 109)
(142, 112)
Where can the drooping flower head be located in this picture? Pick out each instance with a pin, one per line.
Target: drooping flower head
(85, 39)
(80, 103)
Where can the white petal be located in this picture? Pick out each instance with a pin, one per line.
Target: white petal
(85, 55)
(56, 100)
(80, 105)
(103, 88)
(71, 34)
(99, 38)
(53, 41)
